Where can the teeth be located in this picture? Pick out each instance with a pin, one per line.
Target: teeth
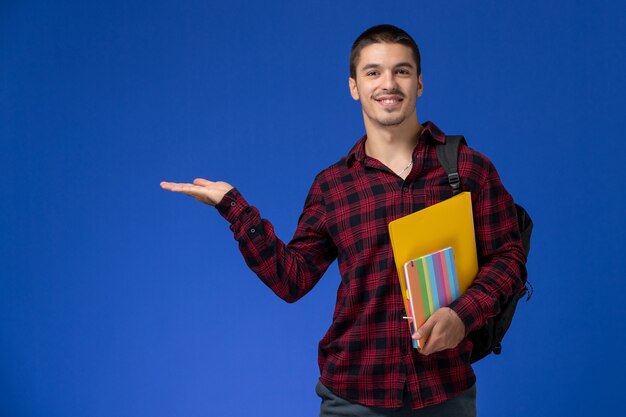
(389, 101)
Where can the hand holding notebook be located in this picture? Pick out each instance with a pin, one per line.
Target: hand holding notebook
(431, 283)
(443, 330)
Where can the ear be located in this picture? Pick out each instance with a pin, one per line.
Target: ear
(420, 86)
(354, 91)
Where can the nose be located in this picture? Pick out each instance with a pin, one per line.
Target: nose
(389, 81)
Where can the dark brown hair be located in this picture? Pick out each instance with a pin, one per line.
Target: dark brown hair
(382, 34)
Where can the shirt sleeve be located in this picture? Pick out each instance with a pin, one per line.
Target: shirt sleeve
(501, 258)
(289, 270)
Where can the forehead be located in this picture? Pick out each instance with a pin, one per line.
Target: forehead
(386, 55)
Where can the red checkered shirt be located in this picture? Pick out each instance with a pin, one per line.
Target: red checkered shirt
(366, 356)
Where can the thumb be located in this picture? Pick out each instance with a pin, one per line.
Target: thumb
(425, 328)
(202, 182)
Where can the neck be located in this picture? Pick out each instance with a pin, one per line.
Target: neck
(392, 145)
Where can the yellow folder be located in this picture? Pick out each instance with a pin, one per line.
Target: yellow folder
(448, 223)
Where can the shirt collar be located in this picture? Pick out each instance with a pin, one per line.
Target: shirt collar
(430, 132)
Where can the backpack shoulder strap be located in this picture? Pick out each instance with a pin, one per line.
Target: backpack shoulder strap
(448, 155)
(488, 338)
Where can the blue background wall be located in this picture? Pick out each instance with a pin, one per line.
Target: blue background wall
(119, 299)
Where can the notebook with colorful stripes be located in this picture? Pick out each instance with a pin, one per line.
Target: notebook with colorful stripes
(431, 282)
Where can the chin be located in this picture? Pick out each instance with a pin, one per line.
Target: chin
(392, 122)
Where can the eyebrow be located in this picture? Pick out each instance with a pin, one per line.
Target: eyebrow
(401, 64)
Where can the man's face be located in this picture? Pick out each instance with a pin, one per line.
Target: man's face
(387, 84)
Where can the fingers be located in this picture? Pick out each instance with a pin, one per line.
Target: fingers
(202, 182)
(189, 189)
(197, 186)
(435, 329)
(166, 185)
(433, 344)
(177, 186)
(446, 331)
(426, 328)
(174, 186)
(198, 182)
(202, 190)
(425, 334)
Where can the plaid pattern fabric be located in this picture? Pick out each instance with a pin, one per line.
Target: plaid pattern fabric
(366, 356)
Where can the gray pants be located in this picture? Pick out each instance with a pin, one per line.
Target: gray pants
(333, 406)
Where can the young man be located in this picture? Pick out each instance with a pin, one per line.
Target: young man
(367, 364)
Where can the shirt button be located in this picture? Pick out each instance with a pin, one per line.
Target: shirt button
(253, 230)
(233, 204)
(405, 189)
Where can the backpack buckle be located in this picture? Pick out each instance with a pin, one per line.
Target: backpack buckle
(455, 181)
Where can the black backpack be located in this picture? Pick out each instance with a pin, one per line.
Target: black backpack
(488, 338)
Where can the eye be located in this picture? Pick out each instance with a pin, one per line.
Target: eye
(371, 73)
(403, 71)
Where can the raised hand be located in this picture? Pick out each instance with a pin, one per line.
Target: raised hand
(202, 190)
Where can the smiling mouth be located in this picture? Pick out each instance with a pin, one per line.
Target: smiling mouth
(389, 101)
